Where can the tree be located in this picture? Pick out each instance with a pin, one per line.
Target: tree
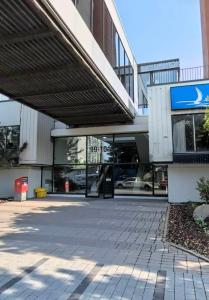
(206, 120)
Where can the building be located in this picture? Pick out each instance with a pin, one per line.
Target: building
(204, 8)
(85, 118)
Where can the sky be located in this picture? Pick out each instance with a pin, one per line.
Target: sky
(163, 29)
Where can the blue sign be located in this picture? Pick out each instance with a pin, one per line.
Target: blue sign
(190, 96)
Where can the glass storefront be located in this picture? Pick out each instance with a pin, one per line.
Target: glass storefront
(104, 165)
(189, 134)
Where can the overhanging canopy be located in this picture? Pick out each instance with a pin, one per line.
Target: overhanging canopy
(40, 67)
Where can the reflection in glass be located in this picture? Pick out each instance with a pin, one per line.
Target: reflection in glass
(98, 24)
(71, 150)
(85, 8)
(100, 181)
(100, 149)
(116, 63)
(108, 36)
(47, 178)
(201, 135)
(183, 135)
(131, 148)
(70, 179)
(160, 180)
(133, 179)
(9, 144)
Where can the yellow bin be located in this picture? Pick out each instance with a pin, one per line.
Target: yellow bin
(40, 192)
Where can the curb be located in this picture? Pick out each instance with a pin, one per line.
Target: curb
(192, 252)
(165, 229)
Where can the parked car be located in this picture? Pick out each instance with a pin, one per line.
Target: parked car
(134, 182)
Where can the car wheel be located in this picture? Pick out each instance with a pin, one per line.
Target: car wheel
(147, 188)
(120, 186)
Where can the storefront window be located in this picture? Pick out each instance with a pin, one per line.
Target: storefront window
(160, 174)
(133, 179)
(100, 149)
(201, 135)
(70, 150)
(70, 179)
(131, 148)
(114, 164)
(183, 133)
(189, 134)
(47, 178)
(9, 144)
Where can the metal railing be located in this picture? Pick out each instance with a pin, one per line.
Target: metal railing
(195, 73)
(175, 75)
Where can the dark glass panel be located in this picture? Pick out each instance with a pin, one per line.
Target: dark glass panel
(2, 143)
(131, 82)
(85, 9)
(98, 17)
(71, 150)
(70, 179)
(100, 181)
(47, 178)
(131, 148)
(116, 64)
(100, 149)
(108, 36)
(127, 74)
(201, 135)
(122, 62)
(133, 179)
(183, 133)
(160, 180)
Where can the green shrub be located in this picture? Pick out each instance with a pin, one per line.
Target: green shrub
(202, 224)
(203, 189)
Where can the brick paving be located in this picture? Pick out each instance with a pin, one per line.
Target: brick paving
(102, 249)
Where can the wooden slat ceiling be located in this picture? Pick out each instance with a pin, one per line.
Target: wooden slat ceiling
(39, 69)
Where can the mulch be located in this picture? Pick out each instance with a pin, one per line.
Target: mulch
(3, 201)
(183, 230)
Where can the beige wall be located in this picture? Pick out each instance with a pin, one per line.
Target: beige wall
(182, 181)
(8, 176)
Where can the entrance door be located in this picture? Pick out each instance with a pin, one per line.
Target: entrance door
(100, 181)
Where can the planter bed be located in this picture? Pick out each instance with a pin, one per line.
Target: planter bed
(182, 229)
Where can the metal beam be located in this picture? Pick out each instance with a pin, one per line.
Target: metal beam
(93, 118)
(76, 108)
(24, 36)
(23, 75)
(54, 93)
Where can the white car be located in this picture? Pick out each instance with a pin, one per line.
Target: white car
(134, 182)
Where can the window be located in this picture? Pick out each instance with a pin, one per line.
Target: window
(201, 135)
(189, 134)
(131, 148)
(100, 149)
(69, 179)
(9, 144)
(70, 150)
(98, 19)
(133, 179)
(85, 9)
(183, 134)
(116, 63)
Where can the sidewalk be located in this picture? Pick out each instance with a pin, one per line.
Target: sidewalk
(100, 249)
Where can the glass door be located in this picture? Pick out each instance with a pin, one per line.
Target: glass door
(100, 181)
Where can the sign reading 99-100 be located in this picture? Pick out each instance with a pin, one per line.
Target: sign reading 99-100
(190, 96)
